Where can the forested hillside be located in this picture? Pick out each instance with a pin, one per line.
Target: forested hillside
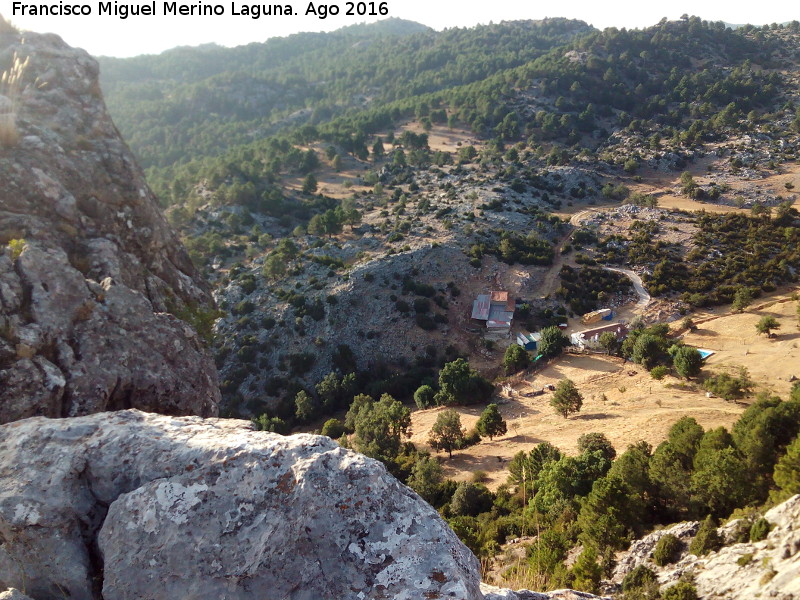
(191, 102)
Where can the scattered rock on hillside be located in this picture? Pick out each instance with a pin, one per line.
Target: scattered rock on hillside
(134, 505)
(493, 593)
(84, 299)
(766, 569)
(12, 594)
(641, 550)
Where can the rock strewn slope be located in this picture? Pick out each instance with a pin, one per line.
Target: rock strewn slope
(83, 309)
(765, 569)
(134, 505)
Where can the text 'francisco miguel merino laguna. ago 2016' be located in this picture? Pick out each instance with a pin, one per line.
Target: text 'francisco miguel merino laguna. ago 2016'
(195, 9)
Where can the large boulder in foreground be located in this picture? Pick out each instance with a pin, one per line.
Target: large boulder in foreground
(90, 270)
(140, 506)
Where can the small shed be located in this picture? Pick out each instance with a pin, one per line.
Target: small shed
(529, 341)
(480, 307)
(604, 314)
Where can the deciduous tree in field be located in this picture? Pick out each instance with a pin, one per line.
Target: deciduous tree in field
(766, 324)
(447, 433)
(552, 342)
(491, 422)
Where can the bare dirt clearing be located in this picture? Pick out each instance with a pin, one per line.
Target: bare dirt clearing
(346, 182)
(770, 361)
(442, 138)
(635, 406)
(662, 185)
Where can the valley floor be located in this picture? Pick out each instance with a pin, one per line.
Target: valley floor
(622, 400)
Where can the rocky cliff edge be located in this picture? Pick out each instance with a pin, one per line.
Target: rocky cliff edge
(89, 267)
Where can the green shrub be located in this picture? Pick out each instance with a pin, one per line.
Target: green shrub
(759, 530)
(680, 591)
(744, 559)
(243, 308)
(473, 437)
(423, 397)
(659, 372)
(333, 428)
(470, 499)
(200, 317)
(300, 363)
(728, 387)
(638, 578)
(16, 246)
(273, 424)
(422, 305)
(667, 550)
(707, 539)
(424, 321)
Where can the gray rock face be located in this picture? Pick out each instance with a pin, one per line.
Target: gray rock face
(13, 594)
(641, 550)
(766, 569)
(83, 308)
(134, 505)
(494, 593)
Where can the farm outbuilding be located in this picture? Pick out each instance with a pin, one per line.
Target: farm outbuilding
(590, 338)
(496, 308)
(604, 314)
(529, 341)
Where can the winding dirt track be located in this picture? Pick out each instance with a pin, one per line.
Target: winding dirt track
(550, 282)
(644, 297)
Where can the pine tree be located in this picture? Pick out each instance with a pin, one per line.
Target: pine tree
(309, 184)
(766, 324)
(707, 539)
(566, 399)
(787, 471)
(515, 359)
(587, 572)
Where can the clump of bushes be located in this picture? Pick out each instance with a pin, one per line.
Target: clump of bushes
(759, 530)
(680, 591)
(729, 387)
(707, 539)
(658, 373)
(640, 577)
(667, 550)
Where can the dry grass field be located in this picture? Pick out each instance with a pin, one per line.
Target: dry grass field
(622, 400)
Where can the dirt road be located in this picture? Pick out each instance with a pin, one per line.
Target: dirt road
(644, 297)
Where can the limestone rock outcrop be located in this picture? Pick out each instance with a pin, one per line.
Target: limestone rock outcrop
(641, 550)
(89, 266)
(493, 593)
(135, 505)
(13, 594)
(766, 569)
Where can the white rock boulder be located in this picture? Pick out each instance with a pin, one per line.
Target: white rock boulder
(140, 506)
